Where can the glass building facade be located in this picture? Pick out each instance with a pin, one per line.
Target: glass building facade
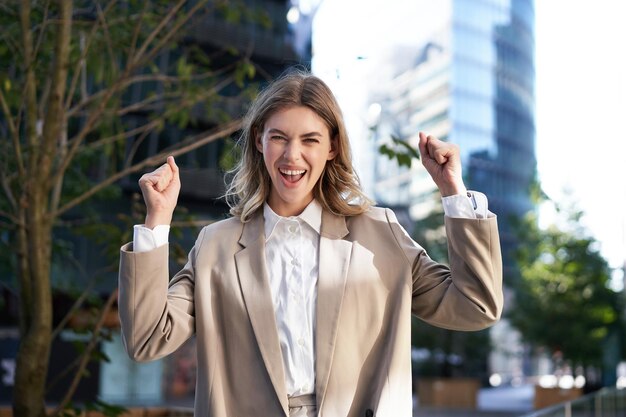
(472, 83)
(492, 110)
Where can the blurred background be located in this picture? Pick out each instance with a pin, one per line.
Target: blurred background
(534, 93)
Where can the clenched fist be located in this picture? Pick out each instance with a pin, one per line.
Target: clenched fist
(442, 160)
(160, 189)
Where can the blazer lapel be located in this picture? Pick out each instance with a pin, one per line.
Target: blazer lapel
(333, 269)
(252, 274)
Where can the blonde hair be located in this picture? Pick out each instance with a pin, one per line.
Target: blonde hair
(338, 190)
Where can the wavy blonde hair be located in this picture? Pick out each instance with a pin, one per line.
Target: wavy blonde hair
(338, 190)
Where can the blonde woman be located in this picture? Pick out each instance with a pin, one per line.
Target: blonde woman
(301, 302)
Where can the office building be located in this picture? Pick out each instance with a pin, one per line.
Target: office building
(471, 82)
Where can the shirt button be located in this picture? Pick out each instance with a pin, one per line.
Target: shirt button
(292, 228)
(301, 342)
(294, 262)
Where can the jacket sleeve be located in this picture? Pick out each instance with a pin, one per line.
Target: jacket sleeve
(468, 294)
(156, 314)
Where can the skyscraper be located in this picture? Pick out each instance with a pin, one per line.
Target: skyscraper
(472, 82)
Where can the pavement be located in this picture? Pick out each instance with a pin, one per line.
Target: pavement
(492, 402)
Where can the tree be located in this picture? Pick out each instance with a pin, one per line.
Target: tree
(562, 300)
(82, 85)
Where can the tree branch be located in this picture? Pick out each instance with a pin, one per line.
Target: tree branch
(83, 296)
(107, 37)
(59, 376)
(8, 192)
(77, 304)
(133, 61)
(57, 187)
(5, 225)
(182, 104)
(173, 31)
(135, 147)
(88, 126)
(79, 69)
(14, 220)
(133, 43)
(43, 27)
(11, 43)
(187, 146)
(147, 78)
(153, 124)
(15, 136)
(144, 103)
(95, 336)
(133, 64)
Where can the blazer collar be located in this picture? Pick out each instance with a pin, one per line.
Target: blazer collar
(254, 282)
(334, 260)
(333, 226)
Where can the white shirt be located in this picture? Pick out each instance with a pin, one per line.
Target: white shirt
(291, 254)
(292, 261)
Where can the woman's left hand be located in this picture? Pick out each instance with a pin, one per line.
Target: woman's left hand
(442, 160)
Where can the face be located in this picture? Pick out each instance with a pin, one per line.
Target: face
(296, 145)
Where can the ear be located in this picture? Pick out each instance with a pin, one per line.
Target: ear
(258, 141)
(333, 148)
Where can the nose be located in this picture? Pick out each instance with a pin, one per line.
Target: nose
(292, 151)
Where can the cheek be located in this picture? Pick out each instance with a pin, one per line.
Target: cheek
(269, 156)
(319, 160)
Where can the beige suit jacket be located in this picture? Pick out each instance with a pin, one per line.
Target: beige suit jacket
(372, 276)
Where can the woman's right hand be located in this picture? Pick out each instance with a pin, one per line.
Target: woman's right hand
(160, 189)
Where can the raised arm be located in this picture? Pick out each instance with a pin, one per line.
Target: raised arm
(160, 189)
(156, 314)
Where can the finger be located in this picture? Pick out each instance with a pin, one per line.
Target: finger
(159, 179)
(439, 151)
(148, 181)
(433, 148)
(164, 177)
(172, 164)
(422, 145)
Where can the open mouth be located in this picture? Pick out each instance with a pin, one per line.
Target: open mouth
(292, 175)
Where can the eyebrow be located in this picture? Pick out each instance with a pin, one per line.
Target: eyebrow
(309, 134)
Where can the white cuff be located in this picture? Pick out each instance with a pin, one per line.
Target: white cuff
(474, 205)
(145, 239)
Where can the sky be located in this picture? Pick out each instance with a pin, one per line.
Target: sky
(580, 94)
(581, 111)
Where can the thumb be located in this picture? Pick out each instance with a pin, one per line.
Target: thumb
(173, 167)
(422, 145)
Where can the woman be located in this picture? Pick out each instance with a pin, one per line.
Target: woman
(301, 301)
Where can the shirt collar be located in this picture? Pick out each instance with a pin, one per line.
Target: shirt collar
(312, 215)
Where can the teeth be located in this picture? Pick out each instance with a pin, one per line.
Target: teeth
(293, 172)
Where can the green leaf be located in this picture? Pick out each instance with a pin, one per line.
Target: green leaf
(404, 160)
(410, 150)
